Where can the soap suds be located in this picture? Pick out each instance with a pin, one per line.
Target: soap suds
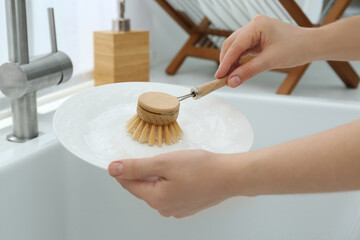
(98, 128)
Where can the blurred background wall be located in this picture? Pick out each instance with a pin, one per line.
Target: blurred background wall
(77, 20)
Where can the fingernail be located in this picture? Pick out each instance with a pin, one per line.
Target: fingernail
(234, 81)
(118, 168)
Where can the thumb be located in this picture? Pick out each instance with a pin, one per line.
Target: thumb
(248, 70)
(135, 168)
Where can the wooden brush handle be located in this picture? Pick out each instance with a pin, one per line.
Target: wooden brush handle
(206, 88)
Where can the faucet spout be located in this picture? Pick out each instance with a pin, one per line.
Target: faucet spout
(20, 79)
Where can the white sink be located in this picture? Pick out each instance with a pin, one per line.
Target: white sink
(47, 193)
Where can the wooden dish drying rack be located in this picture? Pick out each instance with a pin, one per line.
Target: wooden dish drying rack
(203, 41)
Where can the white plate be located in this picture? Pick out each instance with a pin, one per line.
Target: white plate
(91, 124)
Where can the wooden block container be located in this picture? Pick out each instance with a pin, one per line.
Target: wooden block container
(121, 57)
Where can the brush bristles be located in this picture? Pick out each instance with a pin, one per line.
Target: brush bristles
(152, 134)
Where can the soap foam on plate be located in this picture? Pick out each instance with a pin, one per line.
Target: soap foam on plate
(92, 124)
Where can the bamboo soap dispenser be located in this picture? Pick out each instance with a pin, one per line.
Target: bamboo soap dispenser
(121, 55)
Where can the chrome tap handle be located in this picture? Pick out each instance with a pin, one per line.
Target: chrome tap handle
(52, 30)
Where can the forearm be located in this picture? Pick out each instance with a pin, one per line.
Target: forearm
(324, 162)
(337, 41)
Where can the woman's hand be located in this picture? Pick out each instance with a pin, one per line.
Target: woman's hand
(276, 44)
(188, 182)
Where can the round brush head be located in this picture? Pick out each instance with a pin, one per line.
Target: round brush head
(158, 108)
(156, 119)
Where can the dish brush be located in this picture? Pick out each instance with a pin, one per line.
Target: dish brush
(155, 121)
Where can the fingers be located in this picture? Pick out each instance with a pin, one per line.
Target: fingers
(182, 211)
(140, 189)
(184, 187)
(137, 168)
(234, 47)
(227, 43)
(248, 70)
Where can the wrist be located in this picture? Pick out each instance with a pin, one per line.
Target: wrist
(241, 174)
(318, 44)
(309, 44)
(337, 41)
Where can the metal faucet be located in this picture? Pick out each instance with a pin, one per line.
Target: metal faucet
(21, 77)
